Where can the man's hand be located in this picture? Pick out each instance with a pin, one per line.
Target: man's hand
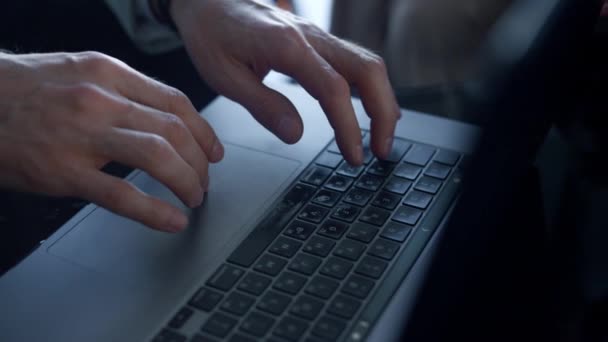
(235, 43)
(64, 116)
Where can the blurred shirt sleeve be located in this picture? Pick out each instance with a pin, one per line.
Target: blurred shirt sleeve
(138, 21)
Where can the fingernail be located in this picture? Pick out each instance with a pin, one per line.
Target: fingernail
(358, 154)
(218, 150)
(198, 200)
(388, 145)
(178, 222)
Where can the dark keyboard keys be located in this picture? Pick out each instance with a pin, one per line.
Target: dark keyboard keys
(375, 216)
(408, 171)
(269, 264)
(313, 213)
(386, 200)
(326, 198)
(225, 277)
(306, 307)
(380, 168)
(428, 184)
(438, 170)
(180, 318)
(290, 328)
(237, 303)
(357, 286)
(289, 282)
(397, 185)
(254, 283)
(300, 230)
(447, 157)
(328, 328)
(371, 267)
(370, 182)
(332, 229)
(384, 249)
(418, 199)
(346, 212)
(328, 159)
(398, 150)
(336, 268)
(316, 176)
(321, 287)
(358, 197)
(419, 155)
(305, 264)
(339, 183)
(241, 338)
(343, 306)
(407, 215)
(362, 232)
(206, 299)
(257, 324)
(350, 171)
(219, 325)
(396, 231)
(285, 247)
(349, 249)
(319, 246)
(167, 335)
(273, 302)
(201, 338)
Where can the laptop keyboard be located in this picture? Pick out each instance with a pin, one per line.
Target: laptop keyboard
(316, 268)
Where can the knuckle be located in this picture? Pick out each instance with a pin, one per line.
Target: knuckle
(293, 43)
(157, 148)
(85, 96)
(174, 127)
(96, 63)
(338, 87)
(373, 64)
(177, 100)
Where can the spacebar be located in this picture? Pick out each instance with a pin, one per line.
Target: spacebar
(271, 225)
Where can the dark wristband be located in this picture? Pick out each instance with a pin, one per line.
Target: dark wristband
(161, 10)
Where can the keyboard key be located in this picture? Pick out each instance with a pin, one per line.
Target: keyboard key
(384, 249)
(289, 282)
(343, 306)
(381, 168)
(399, 148)
(419, 155)
(219, 325)
(333, 147)
(305, 264)
(336, 268)
(368, 155)
(375, 216)
(201, 338)
(326, 198)
(346, 212)
(319, 246)
(254, 283)
(331, 160)
(362, 232)
(386, 200)
(333, 229)
(357, 286)
(313, 213)
(316, 175)
(285, 247)
(299, 229)
(321, 287)
(447, 157)
(290, 328)
(408, 171)
(240, 338)
(167, 335)
(269, 264)
(418, 199)
(396, 231)
(371, 267)
(339, 183)
(273, 302)
(349, 249)
(206, 299)
(257, 324)
(328, 328)
(407, 215)
(358, 197)
(180, 318)
(306, 307)
(225, 277)
(397, 185)
(428, 184)
(370, 182)
(438, 170)
(237, 303)
(350, 171)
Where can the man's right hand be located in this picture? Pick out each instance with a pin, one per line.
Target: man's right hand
(63, 116)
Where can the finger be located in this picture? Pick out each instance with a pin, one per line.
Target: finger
(155, 155)
(123, 198)
(368, 74)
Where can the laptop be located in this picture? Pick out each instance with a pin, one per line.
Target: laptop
(291, 243)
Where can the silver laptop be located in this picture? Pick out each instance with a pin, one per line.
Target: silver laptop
(291, 243)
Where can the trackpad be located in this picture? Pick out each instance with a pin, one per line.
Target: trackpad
(242, 188)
